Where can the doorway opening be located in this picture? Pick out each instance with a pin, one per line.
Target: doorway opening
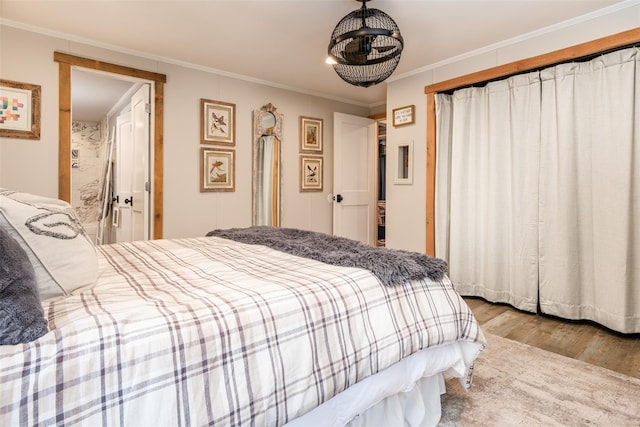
(97, 100)
(156, 109)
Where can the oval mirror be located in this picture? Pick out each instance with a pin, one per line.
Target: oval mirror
(267, 141)
(268, 121)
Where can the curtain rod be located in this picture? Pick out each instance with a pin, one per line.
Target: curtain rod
(579, 59)
(570, 53)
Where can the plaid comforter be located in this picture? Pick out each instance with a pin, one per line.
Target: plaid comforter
(207, 331)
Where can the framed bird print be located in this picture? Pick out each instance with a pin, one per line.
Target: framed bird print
(311, 173)
(310, 135)
(217, 170)
(218, 122)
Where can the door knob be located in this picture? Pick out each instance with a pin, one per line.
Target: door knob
(129, 201)
(339, 198)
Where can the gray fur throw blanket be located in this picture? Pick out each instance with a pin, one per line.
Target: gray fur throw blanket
(391, 266)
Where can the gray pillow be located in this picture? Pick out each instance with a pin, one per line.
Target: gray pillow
(21, 315)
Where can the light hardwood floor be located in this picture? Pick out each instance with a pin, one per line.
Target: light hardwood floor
(582, 340)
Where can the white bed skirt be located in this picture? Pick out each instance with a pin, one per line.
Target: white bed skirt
(407, 393)
(418, 407)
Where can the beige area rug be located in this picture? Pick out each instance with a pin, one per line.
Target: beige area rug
(518, 385)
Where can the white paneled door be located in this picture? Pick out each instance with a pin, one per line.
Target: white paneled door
(140, 112)
(132, 169)
(122, 177)
(354, 178)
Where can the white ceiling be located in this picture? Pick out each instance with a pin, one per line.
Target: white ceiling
(285, 42)
(93, 95)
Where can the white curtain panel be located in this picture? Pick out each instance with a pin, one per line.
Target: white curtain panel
(444, 126)
(493, 180)
(590, 191)
(264, 186)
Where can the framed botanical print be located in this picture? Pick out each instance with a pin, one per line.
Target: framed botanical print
(217, 122)
(311, 173)
(217, 169)
(310, 135)
(19, 110)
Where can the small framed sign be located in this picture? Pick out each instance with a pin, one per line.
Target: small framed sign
(404, 116)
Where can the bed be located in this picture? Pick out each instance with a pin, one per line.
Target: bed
(215, 331)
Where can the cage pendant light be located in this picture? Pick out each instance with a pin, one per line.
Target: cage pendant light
(365, 46)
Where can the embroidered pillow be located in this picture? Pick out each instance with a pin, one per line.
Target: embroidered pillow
(63, 257)
(21, 315)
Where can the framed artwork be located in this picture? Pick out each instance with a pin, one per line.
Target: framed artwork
(404, 115)
(310, 135)
(217, 122)
(311, 173)
(19, 110)
(217, 169)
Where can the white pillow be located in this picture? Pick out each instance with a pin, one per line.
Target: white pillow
(63, 257)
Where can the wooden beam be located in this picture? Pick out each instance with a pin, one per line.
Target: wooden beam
(158, 161)
(94, 64)
(431, 174)
(64, 132)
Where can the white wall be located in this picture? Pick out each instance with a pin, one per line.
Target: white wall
(31, 166)
(406, 205)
